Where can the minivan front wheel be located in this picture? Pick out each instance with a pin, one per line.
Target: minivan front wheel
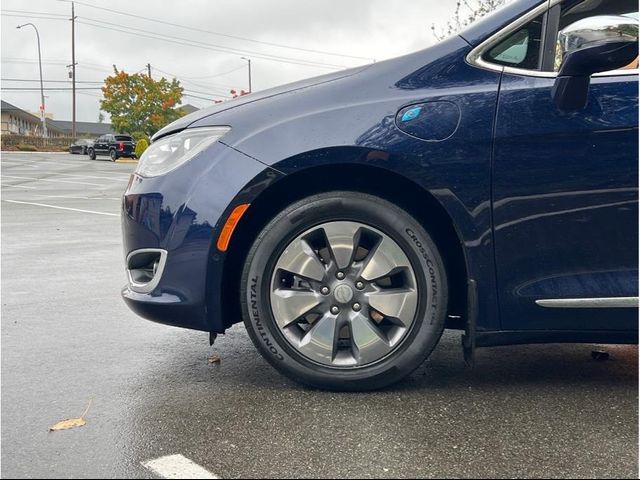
(344, 290)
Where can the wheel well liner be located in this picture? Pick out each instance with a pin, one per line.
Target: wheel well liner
(391, 186)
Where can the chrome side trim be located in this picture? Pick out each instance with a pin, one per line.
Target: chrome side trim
(601, 302)
(149, 286)
(474, 57)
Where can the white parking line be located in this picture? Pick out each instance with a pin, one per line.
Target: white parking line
(108, 177)
(38, 162)
(51, 180)
(22, 164)
(177, 466)
(71, 197)
(63, 208)
(18, 186)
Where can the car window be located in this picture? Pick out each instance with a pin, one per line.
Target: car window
(123, 138)
(521, 49)
(576, 11)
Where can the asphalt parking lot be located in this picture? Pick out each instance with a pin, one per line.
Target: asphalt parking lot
(68, 339)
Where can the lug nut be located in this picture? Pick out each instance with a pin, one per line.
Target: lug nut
(340, 275)
(356, 307)
(359, 285)
(324, 290)
(335, 310)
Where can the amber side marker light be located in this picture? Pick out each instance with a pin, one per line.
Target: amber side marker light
(230, 225)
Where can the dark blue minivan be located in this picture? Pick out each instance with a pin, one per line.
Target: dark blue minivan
(487, 184)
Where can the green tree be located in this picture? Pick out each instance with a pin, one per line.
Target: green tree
(466, 12)
(138, 103)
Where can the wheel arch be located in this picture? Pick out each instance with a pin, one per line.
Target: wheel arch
(391, 186)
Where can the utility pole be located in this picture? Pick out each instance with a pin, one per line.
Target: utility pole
(149, 69)
(42, 116)
(73, 69)
(249, 61)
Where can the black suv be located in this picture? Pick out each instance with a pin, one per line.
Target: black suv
(115, 146)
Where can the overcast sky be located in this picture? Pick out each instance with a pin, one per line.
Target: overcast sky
(372, 29)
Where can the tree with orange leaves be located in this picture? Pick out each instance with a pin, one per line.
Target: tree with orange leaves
(138, 104)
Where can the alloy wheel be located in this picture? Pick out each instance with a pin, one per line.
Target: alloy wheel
(344, 294)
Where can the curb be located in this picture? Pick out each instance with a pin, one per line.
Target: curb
(127, 160)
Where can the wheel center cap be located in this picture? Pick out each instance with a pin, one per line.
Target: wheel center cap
(343, 293)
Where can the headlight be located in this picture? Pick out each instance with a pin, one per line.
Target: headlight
(172, 151)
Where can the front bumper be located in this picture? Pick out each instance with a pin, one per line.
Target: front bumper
(181, 213)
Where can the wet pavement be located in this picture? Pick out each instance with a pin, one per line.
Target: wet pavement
(68, 339)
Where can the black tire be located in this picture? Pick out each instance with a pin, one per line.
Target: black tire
(113, 155)
(428, 323)
(92, 154)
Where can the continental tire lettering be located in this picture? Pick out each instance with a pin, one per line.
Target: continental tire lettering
(255, 314)
(431, 269)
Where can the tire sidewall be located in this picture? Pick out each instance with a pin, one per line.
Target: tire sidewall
(113, 155)
(92, 154)
(382, 215)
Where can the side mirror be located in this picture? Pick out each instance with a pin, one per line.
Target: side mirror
(588, 46)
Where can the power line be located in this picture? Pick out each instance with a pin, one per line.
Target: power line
(36, 13)
(207, 46)
(31, 16)
(50, 89)
(217, 74)
(50, 81)
(90, 94)
(235, 37)
(44, 62)
(214, 47)
(199, 85)
(100, 82)
(88, 65)
(205, 93)
(187, 92)
(201, 98)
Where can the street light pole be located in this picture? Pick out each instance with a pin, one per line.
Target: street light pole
(73, 68)
(44, 122)
(249, 61)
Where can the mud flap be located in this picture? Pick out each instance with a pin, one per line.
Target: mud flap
(469, 337)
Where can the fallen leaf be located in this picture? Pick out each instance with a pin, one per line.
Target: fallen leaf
(71, 422)
(215, 358)
(66, 424)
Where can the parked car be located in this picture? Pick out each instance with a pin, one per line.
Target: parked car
(478, 185)
(115, 146)
(80, 146)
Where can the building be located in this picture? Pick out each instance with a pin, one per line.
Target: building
(20, 122)
(83, 129)
(48, 115)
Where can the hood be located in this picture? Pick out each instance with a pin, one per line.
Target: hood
(187, 120)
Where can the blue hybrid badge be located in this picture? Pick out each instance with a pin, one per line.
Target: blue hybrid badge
(411, 114)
